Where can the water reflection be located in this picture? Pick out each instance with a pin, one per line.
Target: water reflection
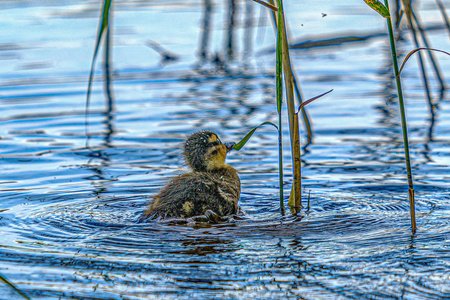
(167, 57)
(248, 31)
(70, 214)
(230, 44)
(205, 30)
(237, 100)
(230, 31)
(110, 106)
(101, 153)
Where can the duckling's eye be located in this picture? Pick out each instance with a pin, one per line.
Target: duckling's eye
(216, 143)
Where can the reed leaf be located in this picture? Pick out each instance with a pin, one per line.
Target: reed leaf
(306, 121)
(244, 140)
(403, 119)
(414, 51)
(378, 7)
(311, 100)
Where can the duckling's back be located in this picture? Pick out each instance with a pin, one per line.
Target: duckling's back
(194, 193)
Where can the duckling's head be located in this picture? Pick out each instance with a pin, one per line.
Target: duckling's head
(204, 151)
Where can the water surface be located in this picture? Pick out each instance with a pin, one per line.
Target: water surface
(69, 214)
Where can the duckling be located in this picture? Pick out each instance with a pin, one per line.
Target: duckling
(211, 186)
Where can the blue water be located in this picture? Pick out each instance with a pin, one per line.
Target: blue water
(69, 213)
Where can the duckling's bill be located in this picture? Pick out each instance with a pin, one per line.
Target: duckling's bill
(229, 146)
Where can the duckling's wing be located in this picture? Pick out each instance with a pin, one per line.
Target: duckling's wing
(185, 196)
(192, 194)
(213, 191)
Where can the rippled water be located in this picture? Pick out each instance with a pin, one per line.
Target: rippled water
(69, 214)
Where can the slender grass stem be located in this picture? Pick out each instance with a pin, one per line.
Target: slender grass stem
(289, 85)
(295, 200)
(280, 161)
(279, 90)
(403, 117)
(306, 120)
(12, 286)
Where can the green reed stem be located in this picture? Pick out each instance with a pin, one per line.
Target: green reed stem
(295, 197)
(280, 163)
(306, 120)
(403, 116)
(279, 89)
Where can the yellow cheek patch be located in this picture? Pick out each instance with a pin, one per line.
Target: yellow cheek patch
(216, 157)
(217, 151)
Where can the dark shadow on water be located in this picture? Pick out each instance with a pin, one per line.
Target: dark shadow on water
(230, 31)
(205, 30)
(110, 106)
